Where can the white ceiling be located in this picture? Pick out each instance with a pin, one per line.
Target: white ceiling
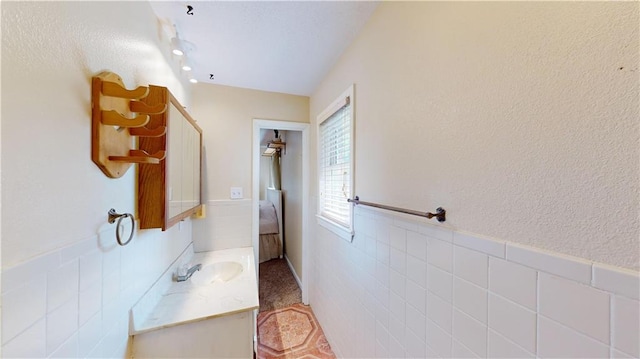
(279, 46)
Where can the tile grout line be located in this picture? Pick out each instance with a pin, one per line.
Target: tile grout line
(611, 326)
(488, 313)
(453, 306)
(537, 338)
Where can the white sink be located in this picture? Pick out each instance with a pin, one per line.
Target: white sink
(219, 298)
(216, 272)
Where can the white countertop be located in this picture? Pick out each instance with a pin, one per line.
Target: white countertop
(186, 302)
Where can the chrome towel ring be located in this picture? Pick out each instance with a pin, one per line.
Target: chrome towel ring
(112, 218)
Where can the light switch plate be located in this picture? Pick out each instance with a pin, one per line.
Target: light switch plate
(236, 193)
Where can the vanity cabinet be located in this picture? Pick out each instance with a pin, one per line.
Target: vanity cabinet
(170, 191)
(204, 316)
(228, 336)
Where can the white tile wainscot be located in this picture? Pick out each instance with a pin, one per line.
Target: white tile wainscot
(74, 302)
(211, 318)
(529, 302)
(227, 225)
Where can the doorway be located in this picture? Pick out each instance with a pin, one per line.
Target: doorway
(301, 130)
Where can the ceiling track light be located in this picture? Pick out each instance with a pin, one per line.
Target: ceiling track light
(180, 47)
(177, 46)
(186, 64)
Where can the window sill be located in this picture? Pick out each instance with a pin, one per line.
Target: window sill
(335, 228)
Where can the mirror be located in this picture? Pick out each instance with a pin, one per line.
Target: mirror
(174, 159)
(183, 154)
(191, 147)
(171, 191)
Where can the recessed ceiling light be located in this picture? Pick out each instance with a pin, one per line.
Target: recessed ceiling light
(193, 81)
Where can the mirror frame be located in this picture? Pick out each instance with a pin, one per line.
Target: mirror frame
(153, 179)
(193, 210)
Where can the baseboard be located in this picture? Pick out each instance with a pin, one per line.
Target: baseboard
(295, 275)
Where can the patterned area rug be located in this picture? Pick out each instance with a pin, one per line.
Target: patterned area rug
(278, 288)
(291, 333)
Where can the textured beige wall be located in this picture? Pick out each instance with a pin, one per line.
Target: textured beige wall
(53, 195)
(291, 167)
(521, 119)
(226, 115)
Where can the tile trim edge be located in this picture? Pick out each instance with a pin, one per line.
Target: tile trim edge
(595, 274)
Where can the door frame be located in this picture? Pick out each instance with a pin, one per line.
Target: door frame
(260, 124)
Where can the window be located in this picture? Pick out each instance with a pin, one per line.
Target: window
(335, 152)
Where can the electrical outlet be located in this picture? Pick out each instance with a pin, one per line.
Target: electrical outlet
(236, 192)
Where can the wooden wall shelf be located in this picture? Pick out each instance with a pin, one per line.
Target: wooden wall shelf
(116, 118)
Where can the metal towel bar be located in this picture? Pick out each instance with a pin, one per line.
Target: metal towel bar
(440, 212)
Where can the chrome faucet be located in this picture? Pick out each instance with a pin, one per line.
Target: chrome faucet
(188, 274)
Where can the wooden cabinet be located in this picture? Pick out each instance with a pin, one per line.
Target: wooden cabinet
(172, 190)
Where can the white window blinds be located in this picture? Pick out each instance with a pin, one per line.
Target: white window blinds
(336, 155)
